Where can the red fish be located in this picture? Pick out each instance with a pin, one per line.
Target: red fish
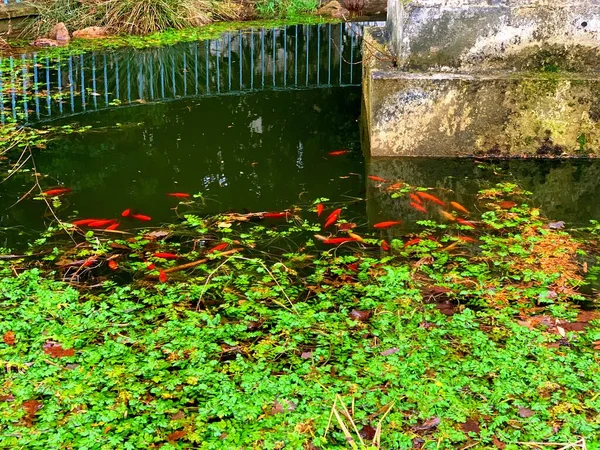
(82, 222)
(339, 240)
(395, 186)
(459, 207)
(320, 209)
(385, 246)
(126, 213)
(101, 223)
(507, 204)
(353, 267)
(142, 217)
(416, 199)
(165, 255)
(338, 152)
(331, 219)
(162, 277)
(419, 207)
(466, 223)
(431, 198)
(178, 195)
(114, 226)
(57, 191)
(274, 215)
(89, 262)
(412, 242)
(374, 178)
(389, 223)
(112, 264)
(150, 266)
(218, 248)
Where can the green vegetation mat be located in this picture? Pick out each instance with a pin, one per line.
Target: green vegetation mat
(477, 334)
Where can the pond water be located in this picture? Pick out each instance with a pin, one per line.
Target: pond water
(247, 121)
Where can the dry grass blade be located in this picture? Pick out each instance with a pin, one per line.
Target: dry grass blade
(580, 444)
(377, 438)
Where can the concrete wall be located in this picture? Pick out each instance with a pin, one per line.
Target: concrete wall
(473, 77)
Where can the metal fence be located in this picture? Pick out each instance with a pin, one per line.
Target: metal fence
(34, 88)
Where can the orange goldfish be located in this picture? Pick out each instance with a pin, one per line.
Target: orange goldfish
(385, 246)
(448, 216)
(162, 277)
(331, 219)
(142, 217)
(459, 207)
(114, 226)
(338, 152)
(374, 178)
(57, 191)
(337, 241)
(112, 264)
(165, 255)
(416, 198)
(126, 212)
(356, 237)
(431, 198)
(412, 242)
(179, 195)
(83, 222)
(389, 223)
(101, 223)
(218, 248)
(419, 207)
(320, 209)
(466, 223)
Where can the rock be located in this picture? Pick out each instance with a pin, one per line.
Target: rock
(60, 33)
(333, 9)
(44, 42)
(91, 33)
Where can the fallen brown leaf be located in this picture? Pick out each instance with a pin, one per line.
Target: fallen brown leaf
(428, 424)
(525, 412)
(9, 338)
(176, 435)
(360, 316)
(55, 350)
(470, 426)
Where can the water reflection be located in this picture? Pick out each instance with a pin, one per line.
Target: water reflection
(300, 56)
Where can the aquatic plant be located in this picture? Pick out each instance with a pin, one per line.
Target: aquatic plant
(279, 340)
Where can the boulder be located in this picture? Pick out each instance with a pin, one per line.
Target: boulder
(60, 33)
(333, 9)
(91, 33)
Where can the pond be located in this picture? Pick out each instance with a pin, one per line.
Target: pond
(247, 121)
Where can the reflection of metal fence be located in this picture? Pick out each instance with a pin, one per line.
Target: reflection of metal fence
(301, 56)
(8, 2)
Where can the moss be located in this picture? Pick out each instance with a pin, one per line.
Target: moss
(168, 37)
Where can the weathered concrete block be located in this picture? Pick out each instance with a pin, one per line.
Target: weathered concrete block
(460, 35)
(492, 112)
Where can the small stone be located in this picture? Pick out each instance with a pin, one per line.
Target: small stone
(60, 33)
(556, 225)
(333, 9)
(91, 33)
(44, 42)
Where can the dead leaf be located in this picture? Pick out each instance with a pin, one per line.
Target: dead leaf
(55, 350)
(418, 443)
(7, 398)
(525, 412)
(178, 415)
(367, 432)
(498, 443)
(306, 355)
(361, 316)
(389, 351)
(428, 424)
(470, 426)
(31, 408)
(9, 338)
(176, 435)
(282, 407)
(446, 308)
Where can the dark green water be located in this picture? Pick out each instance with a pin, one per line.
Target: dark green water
(260, 147)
